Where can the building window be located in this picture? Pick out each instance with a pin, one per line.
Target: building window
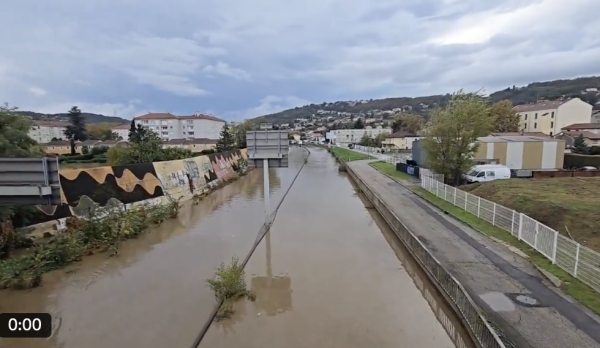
(536, 115)
(552, 125)
(534, 125)
(552, 114)
(525, 117)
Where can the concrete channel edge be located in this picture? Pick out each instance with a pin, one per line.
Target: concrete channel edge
(473, 319)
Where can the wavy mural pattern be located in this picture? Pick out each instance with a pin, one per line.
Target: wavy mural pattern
(113, 185)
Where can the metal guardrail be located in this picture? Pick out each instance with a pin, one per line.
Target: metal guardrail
(483, 335)
(29, 181)
(579, 261)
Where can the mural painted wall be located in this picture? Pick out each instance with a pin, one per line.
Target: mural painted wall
(149, 182)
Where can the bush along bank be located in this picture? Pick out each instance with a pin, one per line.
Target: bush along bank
(83, 236)
(96, 231)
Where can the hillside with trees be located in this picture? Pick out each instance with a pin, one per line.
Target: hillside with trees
(549, 90)
(88, 117)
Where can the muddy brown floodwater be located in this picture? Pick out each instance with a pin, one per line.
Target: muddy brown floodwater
(329, 274)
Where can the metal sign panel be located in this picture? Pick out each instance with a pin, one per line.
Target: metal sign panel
(29, 181)
(272, 145)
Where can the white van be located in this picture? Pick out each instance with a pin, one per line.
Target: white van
(488, 172)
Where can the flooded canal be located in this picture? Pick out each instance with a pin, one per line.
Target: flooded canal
(324, 276)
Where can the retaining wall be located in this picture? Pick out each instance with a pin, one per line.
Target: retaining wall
(153, 183)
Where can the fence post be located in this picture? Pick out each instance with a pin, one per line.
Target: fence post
(437, 188)
(576, 261)
(466, 200)
(494, 216)
(454, 196)
(555, 247)
(520, 225)
(537, 225)
(512, 223)
(445, 192)
(478, 206)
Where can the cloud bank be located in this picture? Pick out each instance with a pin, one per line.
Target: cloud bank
(242, 59)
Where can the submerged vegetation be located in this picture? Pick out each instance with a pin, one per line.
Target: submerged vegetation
(98, 231)
(229, 284)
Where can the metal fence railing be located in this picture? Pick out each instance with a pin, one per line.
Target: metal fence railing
(581, 262)
(479, 329)
(389, 157)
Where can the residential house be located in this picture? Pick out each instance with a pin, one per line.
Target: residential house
(59, 147)
(550, 116)
(194, 145)
(122, 131)
(589, 131)
(596, 116)
(169, 126)
(400, 140)
(45, 131)
(344, 137)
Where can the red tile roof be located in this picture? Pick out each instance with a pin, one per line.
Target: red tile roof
(580, 126)
(156, 116)
(166, 115)
(540, 105)
(50, 123)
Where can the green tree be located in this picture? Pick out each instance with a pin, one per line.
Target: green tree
(364, 140)
(359, 124)
(409, 122)
(147, 149)
(137, 134)
(239, 132)
(450, 141)
(580, 146)
(226, 140)
(504, 117)
(76, 129)
(14, 138)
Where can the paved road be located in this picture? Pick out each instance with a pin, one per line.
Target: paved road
(325, 276)
(492, 274)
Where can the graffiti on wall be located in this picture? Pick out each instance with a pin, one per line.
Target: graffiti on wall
(108, 186)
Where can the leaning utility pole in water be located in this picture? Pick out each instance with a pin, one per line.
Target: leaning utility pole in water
(267, 148)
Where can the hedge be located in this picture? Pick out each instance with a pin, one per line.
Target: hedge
(573, 160)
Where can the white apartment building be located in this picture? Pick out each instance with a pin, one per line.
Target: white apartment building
(343, 137)
(122, 131)
(549, 117)
(169, 126)
(44, 131)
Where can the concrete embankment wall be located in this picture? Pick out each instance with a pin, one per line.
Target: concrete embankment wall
(153, 183)
(482, 334)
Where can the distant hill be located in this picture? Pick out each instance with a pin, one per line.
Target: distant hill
(90, 118)
(422, 105)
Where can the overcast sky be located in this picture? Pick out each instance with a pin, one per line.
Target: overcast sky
(241, 58)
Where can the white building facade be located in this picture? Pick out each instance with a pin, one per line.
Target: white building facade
(549, 117)
(169, 126)
(45, 131)
(122, 131)
(343, 137)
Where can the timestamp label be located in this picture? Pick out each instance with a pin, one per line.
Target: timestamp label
(25, 325)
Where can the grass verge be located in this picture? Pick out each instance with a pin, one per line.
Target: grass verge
(348, 155)
(390, 170)
(572, 286)
(229, 284)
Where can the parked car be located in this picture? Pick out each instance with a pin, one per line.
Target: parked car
(488, 172)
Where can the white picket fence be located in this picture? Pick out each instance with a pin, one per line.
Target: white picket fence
(581, 262)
